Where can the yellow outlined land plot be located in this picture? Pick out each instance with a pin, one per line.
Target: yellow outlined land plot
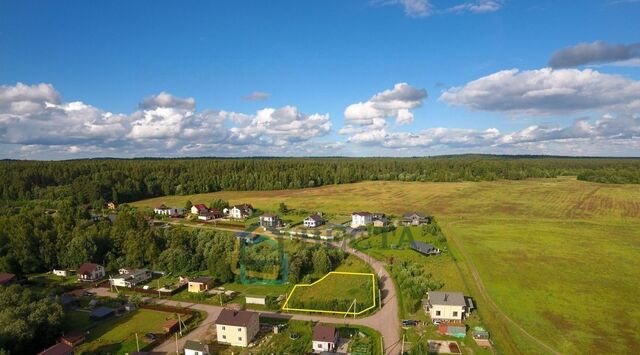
(342, 284)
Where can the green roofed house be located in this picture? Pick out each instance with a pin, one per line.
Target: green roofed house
(192, 347)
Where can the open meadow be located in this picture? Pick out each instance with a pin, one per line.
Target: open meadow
(560, 257)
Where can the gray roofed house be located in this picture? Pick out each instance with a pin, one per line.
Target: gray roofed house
(425, 248)
(192, 347)
(415, 219)
(446, 298)
(101, 313)
(448, 306)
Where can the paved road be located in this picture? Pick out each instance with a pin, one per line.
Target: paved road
(386, 320)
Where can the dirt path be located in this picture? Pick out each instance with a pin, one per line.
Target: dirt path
(489, 301)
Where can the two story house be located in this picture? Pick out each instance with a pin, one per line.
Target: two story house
(237, 328)
(447, 306)
(313, 221)
(361, 219)
(90, 272)
(241, 211)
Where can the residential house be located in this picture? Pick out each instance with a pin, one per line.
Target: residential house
(58, 349)
(325, 339)
(237, 328)
(415, 219)
(199, 209)
(131, 277)
(270, 220)
(73, 338)
(241, 211)
(60, 272)
(361, 219)
(200, 284)
(112, 205)
(313, 221)
(168, 211)
(90, 272)
(425, 248)
(447, 306)
(210, 214)
(101, 313)
(192, 347)
(7, 279)
(381, 222)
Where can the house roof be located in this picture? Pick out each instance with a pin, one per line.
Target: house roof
(424, 248)
(269, 215)
(235, 318)
(195, 345)
(162, 207)
(58, 349)
(243, 206)
(361, 214)
(324, 333)
(411, 214)
(6, 277)
(200, 207)
(101, 312)
(74, 336)
(316, 217)
(170, 324)
(447, 298)
(87, 268)
(202, 279)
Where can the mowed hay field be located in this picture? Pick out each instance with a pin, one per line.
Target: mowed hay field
(560, 257)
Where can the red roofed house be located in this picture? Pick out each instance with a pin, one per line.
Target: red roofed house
(324, 338)
(58, 349)
(7, 279)
(74, 338)
(90, 272)
(199, 209)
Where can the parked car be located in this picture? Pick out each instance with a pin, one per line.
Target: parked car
(437, 322)
(151, 336)
(409, 323)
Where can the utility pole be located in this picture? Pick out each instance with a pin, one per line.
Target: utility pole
(159, 288)
(402, 349)
(177, 351)
(180, 324)
(137, 343)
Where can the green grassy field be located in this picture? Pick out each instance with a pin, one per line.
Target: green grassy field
(334, 293)
(558, 256)
(117, 335)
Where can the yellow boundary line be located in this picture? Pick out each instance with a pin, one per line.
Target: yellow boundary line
(373, 293)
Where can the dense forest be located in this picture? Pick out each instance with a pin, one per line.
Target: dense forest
(99, 180)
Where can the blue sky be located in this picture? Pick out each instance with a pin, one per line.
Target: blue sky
(158, 78)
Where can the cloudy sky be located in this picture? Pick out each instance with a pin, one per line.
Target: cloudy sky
(298, 78)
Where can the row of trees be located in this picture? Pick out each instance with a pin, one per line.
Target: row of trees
(100, 180)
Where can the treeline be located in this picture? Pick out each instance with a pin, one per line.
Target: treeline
(33, 241)
(99, 180)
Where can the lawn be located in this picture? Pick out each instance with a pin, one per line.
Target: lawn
(555, 255)
(117, 335)
(335, 293)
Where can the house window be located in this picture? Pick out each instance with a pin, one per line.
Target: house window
(455, 314)
(239, 329)
(437, 313)
(223, 327)
(224, 337)
(319, 346)
(239, 338)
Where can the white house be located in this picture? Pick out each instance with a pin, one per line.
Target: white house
(447, 306)
(192, 347)
(359, 219)
(241, 211)
(63, 273)
(237, 328)
(325, 339)
(270, 220)
(130, 277)
(313, 221)
(90, 272)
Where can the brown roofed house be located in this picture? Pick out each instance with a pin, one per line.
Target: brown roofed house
(90, 272)
(325, 338)
(237, 328)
